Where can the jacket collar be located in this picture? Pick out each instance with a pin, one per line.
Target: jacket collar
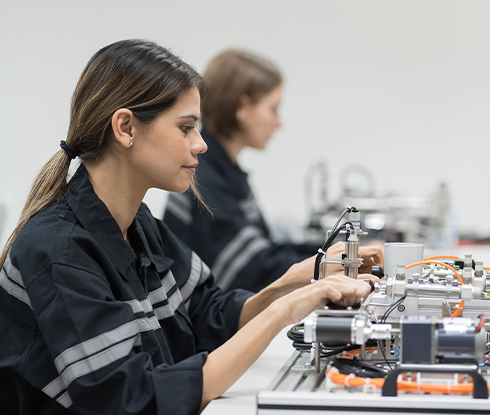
(94, 216)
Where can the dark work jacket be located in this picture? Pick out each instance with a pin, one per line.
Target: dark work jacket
(92, 325)
(236, 242)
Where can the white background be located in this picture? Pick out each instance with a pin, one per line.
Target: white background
(401, 87)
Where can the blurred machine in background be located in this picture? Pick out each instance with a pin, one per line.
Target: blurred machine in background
(388, 216)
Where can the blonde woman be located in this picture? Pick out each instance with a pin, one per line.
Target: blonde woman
(240, 110)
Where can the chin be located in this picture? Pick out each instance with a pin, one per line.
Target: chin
(175, 188)
(259, 146)
(182, 189)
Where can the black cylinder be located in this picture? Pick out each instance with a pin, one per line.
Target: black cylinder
(456, 347)
(334, 331)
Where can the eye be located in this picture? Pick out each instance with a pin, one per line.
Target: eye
(186, 128)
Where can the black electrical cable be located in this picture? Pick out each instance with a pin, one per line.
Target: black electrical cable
(358, 368)
(329, 352)
(330, 240)
(346, 210)
(383, 320)
(390, 310)
(382, 350)
(296, 334)
(325, 247)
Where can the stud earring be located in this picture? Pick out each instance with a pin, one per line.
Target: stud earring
(130, 143)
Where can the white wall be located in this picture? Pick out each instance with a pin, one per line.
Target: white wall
(402, 87)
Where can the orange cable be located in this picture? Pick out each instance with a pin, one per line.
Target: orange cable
(440, 257)
(403, 385)
(351, 353)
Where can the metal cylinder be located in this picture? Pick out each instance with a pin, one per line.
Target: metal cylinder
(432, 290)
(334, 331)
(352, 253)
(460, 343)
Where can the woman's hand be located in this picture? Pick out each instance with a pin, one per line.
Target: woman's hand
(228, 362)
(336, 289)
(372, 254)
(301, 273)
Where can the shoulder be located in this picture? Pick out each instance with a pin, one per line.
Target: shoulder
(52, 237)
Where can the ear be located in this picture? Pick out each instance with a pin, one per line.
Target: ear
(244, 106)
(123, 127)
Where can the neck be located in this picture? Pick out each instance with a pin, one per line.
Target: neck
(114, 185)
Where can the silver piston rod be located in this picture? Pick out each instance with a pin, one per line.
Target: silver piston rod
(432, 290)
(352, 261)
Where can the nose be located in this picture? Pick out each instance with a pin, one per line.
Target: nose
(199, 146)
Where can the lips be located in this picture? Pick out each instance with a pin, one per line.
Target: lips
(191, 166)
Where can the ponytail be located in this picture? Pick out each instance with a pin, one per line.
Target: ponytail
(48, 187)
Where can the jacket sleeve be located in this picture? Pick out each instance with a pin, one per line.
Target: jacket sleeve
(237, 248)
(93, 341)
(214, 315)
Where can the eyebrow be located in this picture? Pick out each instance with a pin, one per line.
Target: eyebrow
(190, 116)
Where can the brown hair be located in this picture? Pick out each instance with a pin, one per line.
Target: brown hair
(136, 74)
(231, 75)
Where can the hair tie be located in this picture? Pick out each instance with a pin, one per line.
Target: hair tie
(69, 150)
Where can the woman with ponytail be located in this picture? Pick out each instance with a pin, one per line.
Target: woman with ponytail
(102, 309)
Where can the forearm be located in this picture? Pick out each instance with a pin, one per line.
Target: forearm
(227, 363)
(260, 301)
(230, 361)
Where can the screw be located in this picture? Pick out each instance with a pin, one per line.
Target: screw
(401, 308)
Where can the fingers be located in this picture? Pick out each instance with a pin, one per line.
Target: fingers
(330, 292)
(373, 278)
(337, 289)
(352, 290)
(373, 254)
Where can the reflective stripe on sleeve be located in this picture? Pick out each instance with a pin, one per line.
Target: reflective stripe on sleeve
(199, 273)
(54, 389)
(168, 310)
(11, 281)
(140, 306)
(98, 361)
(97, 352)
(237, 254)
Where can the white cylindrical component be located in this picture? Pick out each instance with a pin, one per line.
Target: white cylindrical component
(403, 253)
